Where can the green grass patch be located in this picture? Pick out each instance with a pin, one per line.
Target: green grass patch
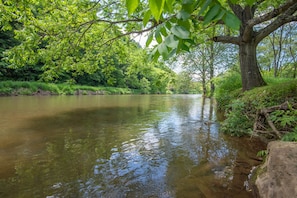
(31, 88)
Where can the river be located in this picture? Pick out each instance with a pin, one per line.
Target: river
(120, 146)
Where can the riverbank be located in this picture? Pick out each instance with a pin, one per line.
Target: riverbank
(15, 88)
(268, 113)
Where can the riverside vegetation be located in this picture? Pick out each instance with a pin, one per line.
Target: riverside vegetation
(268, 112)
(10, 88)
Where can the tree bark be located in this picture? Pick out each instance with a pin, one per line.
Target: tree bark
(250, 72)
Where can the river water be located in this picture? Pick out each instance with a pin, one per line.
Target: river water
(120, 146)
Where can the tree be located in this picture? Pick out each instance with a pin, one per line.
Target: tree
(197, 64)
(184, 84)
(206, 61)
(177, 22)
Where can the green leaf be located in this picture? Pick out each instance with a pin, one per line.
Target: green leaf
(172, 52)
(232, 21)
(168, 25)
(158, 37)
(169, 5)
(220, 15)
(146, 17)
(180, 32)
(162, 48)
(149, 40)
(212, 12)
(156, 7)
(204, 6)
(184, 15)
(186, 24)
(155, 54)
(163, 31)
(131, 5)
(184, 47)
(171, 41)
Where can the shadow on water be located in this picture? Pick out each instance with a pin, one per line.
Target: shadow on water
(170, 147)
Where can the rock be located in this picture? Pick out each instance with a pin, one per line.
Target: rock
(278, 175)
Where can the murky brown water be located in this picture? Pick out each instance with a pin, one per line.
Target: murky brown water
(119, 146)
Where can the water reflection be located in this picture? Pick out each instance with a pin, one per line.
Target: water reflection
(168, 146)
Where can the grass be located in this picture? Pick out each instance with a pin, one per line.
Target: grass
(8, 88)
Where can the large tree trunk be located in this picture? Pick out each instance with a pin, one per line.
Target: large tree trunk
(250, 73)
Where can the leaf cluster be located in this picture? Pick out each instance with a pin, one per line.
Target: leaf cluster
(176, 22)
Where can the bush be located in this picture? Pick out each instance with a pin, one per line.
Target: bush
(238, 122)
(228, 87)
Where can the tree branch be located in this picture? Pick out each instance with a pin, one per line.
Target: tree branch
(237, 9)
(268, 16)
(227, 39)
(129, 33)
(284, 18)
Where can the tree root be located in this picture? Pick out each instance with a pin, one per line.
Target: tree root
(263, 125)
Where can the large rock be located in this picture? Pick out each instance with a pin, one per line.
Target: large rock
(278, 175)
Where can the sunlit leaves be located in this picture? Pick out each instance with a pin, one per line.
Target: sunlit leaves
(156, 7)
(131, 5)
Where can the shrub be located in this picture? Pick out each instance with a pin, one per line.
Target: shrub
(238, 121)
(228, 87)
